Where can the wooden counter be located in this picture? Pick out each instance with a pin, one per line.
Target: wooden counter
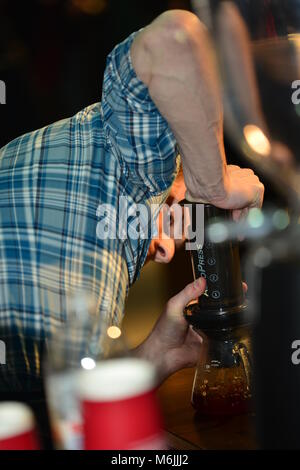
(187, 431)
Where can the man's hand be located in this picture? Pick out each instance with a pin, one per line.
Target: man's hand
(173, 344)
(243, 191)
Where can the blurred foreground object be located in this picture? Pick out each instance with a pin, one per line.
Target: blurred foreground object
(273, 274)
(17, 427)
(79, 345)
(99, 396)
(119, 406)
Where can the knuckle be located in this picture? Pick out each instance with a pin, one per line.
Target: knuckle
(255, 179)
(261, 188)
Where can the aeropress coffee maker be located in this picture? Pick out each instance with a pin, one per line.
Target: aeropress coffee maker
(222, 382)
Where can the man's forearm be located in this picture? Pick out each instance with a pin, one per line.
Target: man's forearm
(174, 58)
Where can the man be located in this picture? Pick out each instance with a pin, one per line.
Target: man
(160, 96)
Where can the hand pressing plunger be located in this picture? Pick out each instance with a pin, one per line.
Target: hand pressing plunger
(174, 58)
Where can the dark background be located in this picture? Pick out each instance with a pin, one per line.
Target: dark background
(52, 54)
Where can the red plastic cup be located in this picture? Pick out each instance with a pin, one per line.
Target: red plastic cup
(17, 427)
(119, 406)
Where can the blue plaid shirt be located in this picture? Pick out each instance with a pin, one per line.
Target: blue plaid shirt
(52, 182)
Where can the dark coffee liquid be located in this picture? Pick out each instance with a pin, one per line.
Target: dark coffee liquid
(221, 392)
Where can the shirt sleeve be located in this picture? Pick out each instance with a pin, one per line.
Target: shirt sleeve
(137, 132)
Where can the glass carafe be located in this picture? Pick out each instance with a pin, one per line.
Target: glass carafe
(222, 383)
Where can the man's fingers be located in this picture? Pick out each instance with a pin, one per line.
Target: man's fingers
(236, 214)
(261, 195)
(258, 196)
(233, 168)
(193, 290)
(247, 172)
(239, 215)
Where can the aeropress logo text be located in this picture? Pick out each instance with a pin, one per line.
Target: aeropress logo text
(2, 353)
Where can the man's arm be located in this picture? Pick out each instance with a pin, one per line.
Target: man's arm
(174, 58)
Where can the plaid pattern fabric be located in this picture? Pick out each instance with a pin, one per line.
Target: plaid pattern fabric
(51, 184)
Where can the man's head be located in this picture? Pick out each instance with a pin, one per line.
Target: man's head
(162, 247)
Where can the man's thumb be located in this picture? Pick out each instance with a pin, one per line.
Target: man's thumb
(193, 290)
